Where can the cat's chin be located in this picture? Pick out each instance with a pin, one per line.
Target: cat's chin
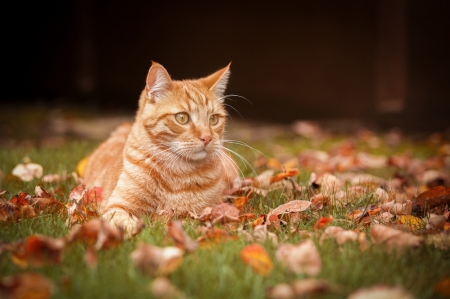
(198, 156)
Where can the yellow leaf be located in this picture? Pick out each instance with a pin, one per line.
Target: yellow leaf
(81, 166)
(256, 257)
(412, 221)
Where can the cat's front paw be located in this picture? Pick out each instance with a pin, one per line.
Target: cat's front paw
(128, 222)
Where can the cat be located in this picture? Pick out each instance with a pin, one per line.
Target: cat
(171, 157)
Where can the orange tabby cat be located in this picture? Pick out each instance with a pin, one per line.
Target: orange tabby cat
(171, 157)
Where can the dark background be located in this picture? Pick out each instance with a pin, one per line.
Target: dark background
(292, 59)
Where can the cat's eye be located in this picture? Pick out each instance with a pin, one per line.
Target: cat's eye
(182, 118)
(213, 119)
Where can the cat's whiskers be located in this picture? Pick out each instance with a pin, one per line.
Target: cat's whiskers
(246, 163)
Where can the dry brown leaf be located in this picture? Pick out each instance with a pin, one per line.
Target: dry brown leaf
(431, 198)
(339, 234)
(393, 239)
(39, 251)
(98, 233)
(327, 183)
(291, 207)
(204, 216)
(162, 288)
(256, 257)
(318, 201)
(261, 234)
(213, 235)
(300, 258)
(397, 208)
(77, 209)
(381, 292)
(224, 213)
(155, 260)
(26, 285)
(179, 236)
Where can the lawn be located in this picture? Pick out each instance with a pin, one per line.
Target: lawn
(216, 269)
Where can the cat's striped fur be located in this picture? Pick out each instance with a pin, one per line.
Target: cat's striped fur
(159, 162)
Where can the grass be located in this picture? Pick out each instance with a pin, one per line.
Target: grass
(216, 272)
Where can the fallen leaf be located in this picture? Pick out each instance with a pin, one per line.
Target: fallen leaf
(397, 208)
(155, 260)
(26, 285)
(162, 288)
(300, 258)
(283, 175)
(257, 258)
(339, 234)
(412, 221)
(318, 201)
(261, 234)
(213, 235)
(224, 213)
(291, 206)
(322, 222)
(39, 251)
(179, 236)
(431, 198)
(442, 287)
(437, 222)
(204, 216)
(392, 238)
(28, 171)
(98, 233)
(381, 292)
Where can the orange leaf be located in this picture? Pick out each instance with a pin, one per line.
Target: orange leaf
(26, 285)
(287, 174)
(39, 251)
(443, 287)
(431, 198)
(256, 257)
(241, 202)
(322, 222)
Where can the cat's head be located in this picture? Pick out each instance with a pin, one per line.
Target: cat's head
(186, 118)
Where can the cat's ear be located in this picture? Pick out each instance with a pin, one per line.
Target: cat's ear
(158, 82)
(217, 82)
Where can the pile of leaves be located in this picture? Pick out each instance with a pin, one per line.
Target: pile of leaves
(341, 202)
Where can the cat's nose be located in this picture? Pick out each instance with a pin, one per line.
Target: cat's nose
(206, 139)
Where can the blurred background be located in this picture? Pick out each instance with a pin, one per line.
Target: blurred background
(383, 63)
